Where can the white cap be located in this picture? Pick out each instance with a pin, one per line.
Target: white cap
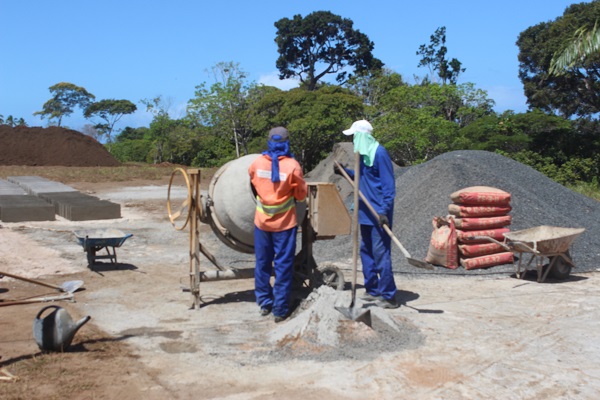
(359, 126)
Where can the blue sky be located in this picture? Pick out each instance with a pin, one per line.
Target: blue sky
(131, 49)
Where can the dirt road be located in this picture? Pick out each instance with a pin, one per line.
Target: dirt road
(455, 337)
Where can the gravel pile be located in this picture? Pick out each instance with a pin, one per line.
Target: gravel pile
(423, 191)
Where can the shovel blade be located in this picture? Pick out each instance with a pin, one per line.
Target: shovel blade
(71, 286)
(356, 314)
(419, 264)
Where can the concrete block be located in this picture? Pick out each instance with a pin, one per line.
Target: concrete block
(19, 208)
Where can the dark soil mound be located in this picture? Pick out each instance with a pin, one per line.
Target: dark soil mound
(38, 146)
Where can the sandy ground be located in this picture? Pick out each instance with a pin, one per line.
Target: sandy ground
(454, 337)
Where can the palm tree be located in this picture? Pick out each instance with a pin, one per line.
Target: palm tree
(583, 44)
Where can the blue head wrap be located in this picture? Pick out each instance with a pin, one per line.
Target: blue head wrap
(276, 150)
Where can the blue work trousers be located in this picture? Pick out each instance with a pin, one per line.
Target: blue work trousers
(375, 254)
(274, 250)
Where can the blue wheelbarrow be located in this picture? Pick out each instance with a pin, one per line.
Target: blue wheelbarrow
(95, 240)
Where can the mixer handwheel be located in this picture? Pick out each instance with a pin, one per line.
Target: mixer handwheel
(185, 208)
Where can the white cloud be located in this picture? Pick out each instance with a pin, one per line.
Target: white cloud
(272, 79)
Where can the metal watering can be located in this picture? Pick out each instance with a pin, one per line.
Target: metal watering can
(56, 330)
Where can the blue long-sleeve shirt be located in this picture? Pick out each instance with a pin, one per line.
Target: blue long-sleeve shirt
(379, 187)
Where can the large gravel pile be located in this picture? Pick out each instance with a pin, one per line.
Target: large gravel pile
(423, 192)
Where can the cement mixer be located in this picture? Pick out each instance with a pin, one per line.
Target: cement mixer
(229, 206)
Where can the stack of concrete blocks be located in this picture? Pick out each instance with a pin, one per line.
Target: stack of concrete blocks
(66, 201)
(16, 205)
(481, 212)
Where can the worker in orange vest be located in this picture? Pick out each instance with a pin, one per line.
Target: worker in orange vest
(278, 182)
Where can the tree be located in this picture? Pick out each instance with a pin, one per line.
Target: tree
(225, 106)
(315, 119)
(434, 57)
(65, 97)
(91, 131)
(12, 121)
(372, 87)
(584, 43)
(322, 39)
(574, 92)
(110, 111)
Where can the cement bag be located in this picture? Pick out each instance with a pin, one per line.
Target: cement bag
(443, 249)
(478, 211)
(468, 237)
(481, 195)
(473, 224)
(477, 250)
(487, 261)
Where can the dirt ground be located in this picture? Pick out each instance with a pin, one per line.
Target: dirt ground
(462, 337)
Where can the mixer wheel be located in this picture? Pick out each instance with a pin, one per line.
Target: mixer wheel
(329, 275)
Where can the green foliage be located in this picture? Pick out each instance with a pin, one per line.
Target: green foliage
(12, 121)
(585, 43)
(573, 93)
(325, 40)
(212, 151)
(434, 58)
(419, 122)
(372, 87)
(226, 107)
(131, 150)
(65, 97)
(572, 172)
(315, 119)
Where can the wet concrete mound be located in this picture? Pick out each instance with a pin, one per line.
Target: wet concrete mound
(317, 330)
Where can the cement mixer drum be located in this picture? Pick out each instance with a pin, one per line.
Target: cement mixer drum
(231, 205)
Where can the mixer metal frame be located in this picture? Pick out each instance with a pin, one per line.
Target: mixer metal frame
(326, 217)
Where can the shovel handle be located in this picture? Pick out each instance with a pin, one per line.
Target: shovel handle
(32, 281)
(370, 207)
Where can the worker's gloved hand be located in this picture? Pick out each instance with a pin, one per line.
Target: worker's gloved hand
(337, 170)
(383, 220)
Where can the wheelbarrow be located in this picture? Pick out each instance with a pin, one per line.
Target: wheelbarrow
(95, 240)
(542, 242)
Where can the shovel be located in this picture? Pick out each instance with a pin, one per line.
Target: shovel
(66, 287)
(352, 312)
(412, 261)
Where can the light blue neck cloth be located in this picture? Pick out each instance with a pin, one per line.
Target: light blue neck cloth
(366, 145)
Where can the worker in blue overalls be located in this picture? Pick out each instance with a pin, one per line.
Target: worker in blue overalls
(378, 185)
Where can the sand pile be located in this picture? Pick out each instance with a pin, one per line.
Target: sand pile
(317, 330)
(423, 191)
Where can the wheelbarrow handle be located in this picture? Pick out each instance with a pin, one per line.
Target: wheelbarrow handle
(504, 245)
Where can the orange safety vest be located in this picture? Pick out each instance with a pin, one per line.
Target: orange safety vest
(276, 201)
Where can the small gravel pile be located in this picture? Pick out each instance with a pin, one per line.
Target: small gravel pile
(317, 330)
(423, 192)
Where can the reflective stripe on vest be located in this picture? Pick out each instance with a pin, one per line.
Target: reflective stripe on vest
(276, 209)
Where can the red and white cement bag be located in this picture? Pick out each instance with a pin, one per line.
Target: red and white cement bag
(481, 195)
(478, 211)
(474, 224)
(469, 237)
(443, 249)
(477, 250)
(487, 261)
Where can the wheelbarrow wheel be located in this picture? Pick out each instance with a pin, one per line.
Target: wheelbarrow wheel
(331, 276)
(561, 269)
